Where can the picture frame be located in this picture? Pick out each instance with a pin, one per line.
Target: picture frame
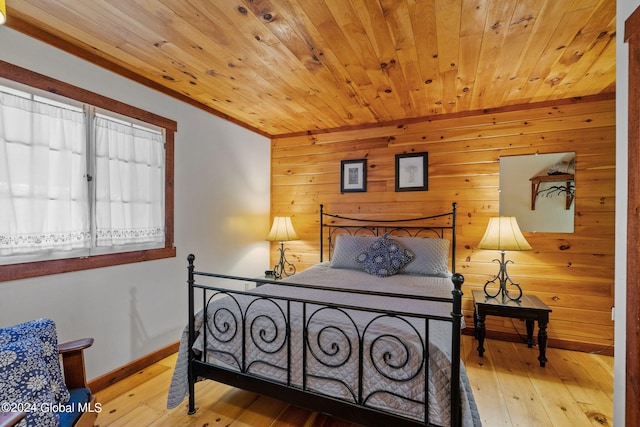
(412, 171)
(353, 176)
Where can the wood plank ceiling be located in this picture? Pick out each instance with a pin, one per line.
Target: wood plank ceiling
(284, 67)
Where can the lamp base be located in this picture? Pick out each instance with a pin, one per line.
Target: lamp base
(503, 278)
(283, 266)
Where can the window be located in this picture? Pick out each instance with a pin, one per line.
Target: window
(128, 184)
(85, 181)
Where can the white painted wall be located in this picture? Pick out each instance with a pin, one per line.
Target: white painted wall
(222, 201)
(624, 10)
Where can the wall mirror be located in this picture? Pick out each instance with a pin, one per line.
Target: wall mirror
(539, 191)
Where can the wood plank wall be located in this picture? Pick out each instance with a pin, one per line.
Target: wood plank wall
(571, 272)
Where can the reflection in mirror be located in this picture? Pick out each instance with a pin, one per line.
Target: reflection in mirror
(539, 190)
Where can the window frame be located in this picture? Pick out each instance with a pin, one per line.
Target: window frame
(56, 266)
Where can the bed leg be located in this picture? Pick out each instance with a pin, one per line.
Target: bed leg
(192, 334)
(456, 313)
(192, 404)
(192, 388)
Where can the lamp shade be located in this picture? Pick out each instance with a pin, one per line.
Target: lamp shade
(3, 12)
(282, 230)
(504, 234)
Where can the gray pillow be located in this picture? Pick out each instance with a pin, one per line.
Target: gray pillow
(431, 256)
(385, 257)
(346, 250)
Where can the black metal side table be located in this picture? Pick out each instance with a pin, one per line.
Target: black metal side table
(267, 278)
(530, 308)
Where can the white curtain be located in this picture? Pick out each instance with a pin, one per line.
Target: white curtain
(129, 184)
(43, 187)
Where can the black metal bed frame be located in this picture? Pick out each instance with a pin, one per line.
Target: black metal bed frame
(271, 334)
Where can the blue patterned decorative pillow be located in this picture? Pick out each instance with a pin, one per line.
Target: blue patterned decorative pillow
(385, 257)
(45, 331)
(24, 383)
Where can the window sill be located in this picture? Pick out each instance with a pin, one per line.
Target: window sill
(45, 268)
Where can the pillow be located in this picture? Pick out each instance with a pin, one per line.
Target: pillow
(45, 331)
(25, 384)
(431, 256)
(346, 250)
(385, 257)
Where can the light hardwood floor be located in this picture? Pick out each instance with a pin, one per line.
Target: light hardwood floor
(511, 389)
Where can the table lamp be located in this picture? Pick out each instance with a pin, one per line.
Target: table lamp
(503, 234)
(282, 231)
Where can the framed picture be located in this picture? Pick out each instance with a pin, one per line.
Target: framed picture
(412, 172)
(353, 176)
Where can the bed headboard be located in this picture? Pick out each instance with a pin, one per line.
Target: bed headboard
(440, 225)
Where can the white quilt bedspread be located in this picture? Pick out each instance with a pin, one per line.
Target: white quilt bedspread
(392, 347)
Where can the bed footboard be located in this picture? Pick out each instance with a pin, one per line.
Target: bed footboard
(374, 366)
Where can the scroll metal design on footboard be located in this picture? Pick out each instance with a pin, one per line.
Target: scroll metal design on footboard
(369, 362)
(233, 327)
(353, 358)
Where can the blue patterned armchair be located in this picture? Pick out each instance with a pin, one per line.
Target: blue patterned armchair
(34, 389)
